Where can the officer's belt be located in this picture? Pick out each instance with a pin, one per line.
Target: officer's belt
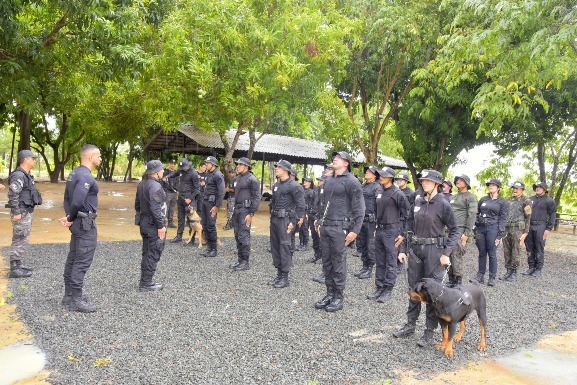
(538, 222)
(515, 224)
(239, 205)
(424, 241)
(370, 218)
(82, 214)
(282, 213)
(329, 222)
(388, 225)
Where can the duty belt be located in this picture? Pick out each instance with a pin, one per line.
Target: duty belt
(281, 213)
(423, 241)
(82, 214)
(238, 205)
(515, 224)
(388, 225)
(538, 222)
(329, 222)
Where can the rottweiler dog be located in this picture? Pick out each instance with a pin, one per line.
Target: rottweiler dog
(195, 228)
(452, 307)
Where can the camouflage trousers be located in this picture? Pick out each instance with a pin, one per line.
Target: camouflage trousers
(511, 247)
(229, 209)
(20, 236)
(457, 258)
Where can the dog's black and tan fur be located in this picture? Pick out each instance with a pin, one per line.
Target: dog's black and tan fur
(195, 228)
(452, 307)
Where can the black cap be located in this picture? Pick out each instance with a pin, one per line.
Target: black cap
(153, 166)
(25, 154)
(543, 185)
(284, 164)
(518, 184)
(373, 169)
(211, 159)
(387, 172)
(173, 161)
(244, 161)
(465, 179)
(184, 164)
(403, 177)
(448, 182)
(496, 182)
(344, 155)
(322, 177)
(329, 165)
(432, 175)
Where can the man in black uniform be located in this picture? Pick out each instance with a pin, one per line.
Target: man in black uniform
(366, 238)
(309, 202)
(150, 203)
(287, 207)
(428, 248)
(542, 222)
(230, 201)
(80, 206)
(402, 181)
(247, 199)
(211, 202)
(341, 218)
(188, 190)
(294, 176)
(22, 198)
(391, 215)
(312, 215)
(202, 182)
(170, 187)
(447, 190)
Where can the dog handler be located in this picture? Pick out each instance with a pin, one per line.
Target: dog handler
(428, 248)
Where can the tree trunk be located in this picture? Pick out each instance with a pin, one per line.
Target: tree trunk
(230, 147)
(128, 173)
(572, 157)
(541, 161)
(24, 124)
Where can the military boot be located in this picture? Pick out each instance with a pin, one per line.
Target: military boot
(451, 281)
(426, 339)
(150, 287)
(283, 281)
(479, 278)
(405, 331)
(171, 225)
(458, 282)
(529, 271)
(277, 278)
(16, 271)
(537, 273)
(367, 273)
(23, 267)
(512, 277)
(387, 295)
(491, 281)
(212, 252)
(242, 266)
(320, 279)
(67, 295)
(79, 304)
(376, 294)
(323, 302)
(314, 259)
(362, 271)
(336, 303)
(507, 275)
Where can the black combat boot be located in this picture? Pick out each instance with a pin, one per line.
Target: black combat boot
(171, 225)
(537, 273)
(376, 294)
(426, 339)
(314, 259)
(507, 275)
(458, 282)
(16, 271)
(212, 252)
(451, 281)
(320, 279)
(283, 281)
(150, 287)
(176, 239)
(277, 278)
(79, 304)
(323, 302)
(301, 247)
(480, 278)
(405, 331)
(336, 303)
(529, 271)
(243, 265)
(387, 295)
(512, 277)
(23, 267)
(491, 281)
(367, 273)
(363, 269)
(67, 295)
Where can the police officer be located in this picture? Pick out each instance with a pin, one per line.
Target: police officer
(170, 186)
(150, 203)
(542, 222)
(464, 205)
(211, 202)
(312, 216)
(246, 202)
(309, 194)
(516, 229)
(188, 190)
(341, 218)
(402, 181)
(287, 207)
(366, 238)
(22, 198)
(428, 247)
(202, 181)
(391, 215)
(230, 201)
(447, 190)
(294, 176)
(490, 229)
(80, 206)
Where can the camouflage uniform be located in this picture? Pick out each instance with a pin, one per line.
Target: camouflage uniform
(518, 223)
(464, 206)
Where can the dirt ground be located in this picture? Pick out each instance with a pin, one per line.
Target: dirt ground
(115, 223)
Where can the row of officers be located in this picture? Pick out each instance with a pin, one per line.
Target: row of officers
(429, 228)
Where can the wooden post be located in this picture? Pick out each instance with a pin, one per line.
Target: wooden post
(262, 175)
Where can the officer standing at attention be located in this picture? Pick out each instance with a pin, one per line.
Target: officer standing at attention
(464, 206)
(80, 206)
(366, 238)
(341, 218)
(447, 190)
(402, 181)
(309, 202)
(230, 201)
(300, 221)
(150, 203)
(312, 215)
(516, 229)
(211, 202)
(22, 197)
(490, 229)
(246, 202)
(202, 181)
(428, 248)
(170, 186)
(542, 221)
(188, 190)
(391, 216)
(287, 207)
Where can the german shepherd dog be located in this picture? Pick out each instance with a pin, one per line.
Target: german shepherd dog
(194, 226)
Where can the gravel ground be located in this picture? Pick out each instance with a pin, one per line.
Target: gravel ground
(213, 326)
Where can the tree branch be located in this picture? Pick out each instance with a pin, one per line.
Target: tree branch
(59, 25)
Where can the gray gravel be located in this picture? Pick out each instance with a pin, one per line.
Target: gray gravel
(213, 326)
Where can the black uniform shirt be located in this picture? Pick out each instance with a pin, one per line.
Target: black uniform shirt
(232, 186)
(345, 194)
(150, 200)
(493, 211)
(370, 192)
(410, 195)
(428, 219)
(448, 196)
(215, 186)
(288, 195)
(81, 193)
(315, 203)
(188, 186)
(171, 185)
(247, 189)
(309, 199)
(392, 207)
(543, 210)
(202, 178)
(21, 187)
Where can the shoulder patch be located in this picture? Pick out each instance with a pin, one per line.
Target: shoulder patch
(87, 186)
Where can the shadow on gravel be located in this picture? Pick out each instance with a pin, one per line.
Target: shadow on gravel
(212, 326)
